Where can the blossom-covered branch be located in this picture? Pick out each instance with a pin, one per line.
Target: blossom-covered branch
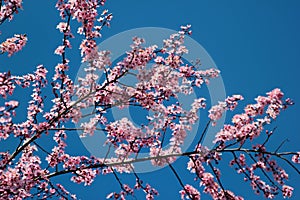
(26, 172)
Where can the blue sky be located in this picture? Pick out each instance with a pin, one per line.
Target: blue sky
(255, 44)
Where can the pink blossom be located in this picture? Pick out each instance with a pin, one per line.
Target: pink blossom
(190, 191)
(62, 27)
(9, 8)
(296, 158)
(23, 172)
(59, 50)
(287, 191)
(216, 111)
(14, 44)
(12, 104)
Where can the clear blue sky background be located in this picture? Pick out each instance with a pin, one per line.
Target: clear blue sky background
(255, 44)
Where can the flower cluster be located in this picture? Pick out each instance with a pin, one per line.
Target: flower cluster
(267, 165)
(85, 12)
(8, 8)
(207, 179)
(287, 191)
(190, 191)
(19, 181)
(296, 158)
(127, 190)
(6, 114)
(6, 84)
(160, 75)
(217, 111)
(244, 125)
(14, 44)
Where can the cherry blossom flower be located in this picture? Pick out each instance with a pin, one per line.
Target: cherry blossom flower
(287, 191)
(217, 111)
(296, 158)
(14, 44)
(27, 171)
(193, 192)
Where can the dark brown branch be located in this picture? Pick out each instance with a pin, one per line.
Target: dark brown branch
(279, 155)
(245, 173)
(203, 133)
(132, 161)
(72, 129)
(218, 179)
(55, 119)
(281, 144)
(263, 171)
(180, 181)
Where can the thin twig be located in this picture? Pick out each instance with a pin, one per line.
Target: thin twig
(180, 181)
